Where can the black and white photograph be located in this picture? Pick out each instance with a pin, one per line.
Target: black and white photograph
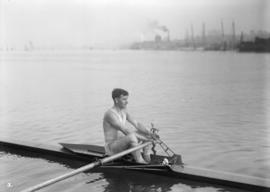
(135, 95)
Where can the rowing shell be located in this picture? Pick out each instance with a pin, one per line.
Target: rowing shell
(156, 165)
(88, 153)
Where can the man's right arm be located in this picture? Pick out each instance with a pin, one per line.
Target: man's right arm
(114, 122)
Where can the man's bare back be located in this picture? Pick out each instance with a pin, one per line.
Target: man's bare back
(111, 117)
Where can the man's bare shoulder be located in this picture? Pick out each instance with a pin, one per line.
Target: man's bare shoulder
(109, 115)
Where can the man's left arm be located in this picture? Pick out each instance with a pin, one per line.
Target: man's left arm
(139, 126)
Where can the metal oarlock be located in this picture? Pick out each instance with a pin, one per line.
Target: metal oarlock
(175, 159)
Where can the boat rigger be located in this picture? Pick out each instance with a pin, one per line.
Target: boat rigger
(88, 153)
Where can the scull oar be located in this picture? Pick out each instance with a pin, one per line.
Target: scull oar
(85, 168)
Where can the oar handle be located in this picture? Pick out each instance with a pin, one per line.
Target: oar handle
(86, 167)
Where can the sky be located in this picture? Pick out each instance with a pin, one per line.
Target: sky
(113, 23)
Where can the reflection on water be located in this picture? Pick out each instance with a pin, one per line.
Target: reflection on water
(123, 181)
(133, 181)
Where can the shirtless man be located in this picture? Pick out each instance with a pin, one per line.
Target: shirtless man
(114, 124)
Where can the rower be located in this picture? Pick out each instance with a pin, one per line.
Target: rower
(117, 136)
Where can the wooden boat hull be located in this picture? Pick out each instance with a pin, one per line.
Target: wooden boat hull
(65, 155)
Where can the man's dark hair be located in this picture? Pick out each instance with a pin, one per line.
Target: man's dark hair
(117, 92)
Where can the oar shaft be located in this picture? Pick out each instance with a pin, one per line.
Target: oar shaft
(86, 167)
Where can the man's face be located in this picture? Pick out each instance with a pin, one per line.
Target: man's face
(122, 101)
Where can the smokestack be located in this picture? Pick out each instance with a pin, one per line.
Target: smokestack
(223, 35)
(187, 38)
(192, 36)
(203, 34)
(233, 35)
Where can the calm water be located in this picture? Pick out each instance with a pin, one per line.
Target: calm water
(211, 107)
